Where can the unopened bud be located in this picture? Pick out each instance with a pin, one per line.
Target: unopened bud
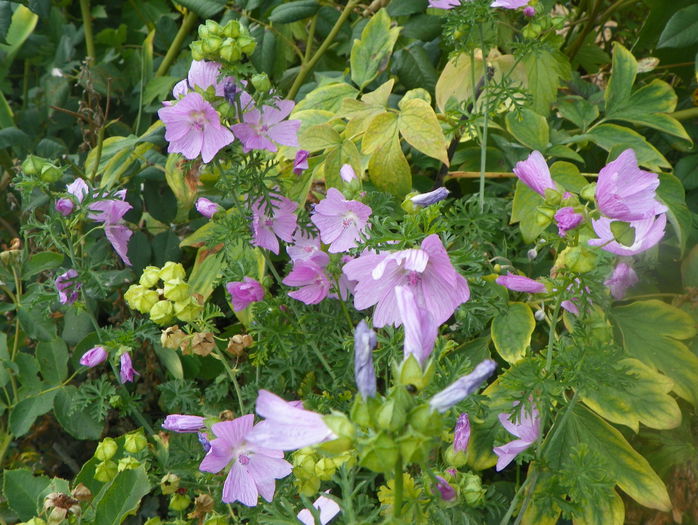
(106, 449)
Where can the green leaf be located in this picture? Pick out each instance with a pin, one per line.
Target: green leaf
(41, 262)
(456, 80)
(184, 186)
(205, 272)
(121, 497)
(416, 68)
(23, 415)
(511, 332)
(612, 137)
(529, 128)
(671, 193)
(204, 8)
(158, 88)
(524, 212)
(35, 323)
(623, 73)
(22, 490)
(14, 138)
(159, 201)
(345, 152)
(686, 169)
(170, 360)
(387, 168)
(626, 467)
(642, 399)
(689, 273)
(293, 11)
(406, 7)
(419, 126)
(328, 97)
(579, 111)
(381, 129)
(165, 248)
(546, 69)
(652, 332)
(320, 137)
(53, 360)
(602, 511)
(78, 423)
(370, 54)
(21, 27)
(682, 29)
(5, 19)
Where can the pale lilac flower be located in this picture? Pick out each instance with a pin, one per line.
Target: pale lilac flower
(420, 329)
(281, 223)
(463, 387)
(346, 285)
(193, 128)
(110, 212)
(306, 247)
(572, 304)
(347, 173)
(201, 74)
(78, 188)
(327, 507)
(300, 163)
(341, 222)
(529, 11)
(67, 287)
(245, 292)
(509, 4)
(519, 283)
(627, 193)
(527, 430)
(444, 4)
(312, 279)
(64, 206)
(207, 208)
(534, 171)
(648, 232)
(254, 468)
(94, 356)
(567, 219)
(183, 423)
(287, 426)
(364, 373)
(622, 278)
(126, 372)
(448, 493)
(461, 434)
(267, 128)
(435, 283)
(432, 197)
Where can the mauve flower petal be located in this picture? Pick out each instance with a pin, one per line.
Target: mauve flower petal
(215, 138)
(78, 188)
(420, 329)
(204, 74)
(118, 235)
(519, 283)
(622, 278)
(534, 172)
(240, 486)
(94, 356)
(364, 372)
(233, 432)
(328, 509)
(273, 115)
(285, 133)
(183, 423)
(508, 452)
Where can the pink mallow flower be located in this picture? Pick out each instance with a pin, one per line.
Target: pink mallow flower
(266, 128)
(447, 492)
(244, 293)
(341, 222)
(461, 434)
(78, 189)
(567, 219)
(527, 430)
(254, 468)
(67, 287)
(207, 208)
(444, 4)
(94, 356)
(435, 283)
(193, 128)
(126, 371)
(201, 74)
(622, 278)
(420, 329)
(312, 279)
(306, 247)
(287, 426)
(648, 232)
(509, 4)
(327, 507)
(110, 212)
(519, 283)
(281, 223)
(300, 163)
(183, 423)
(627, 193)
(534, 171)
(347, 173)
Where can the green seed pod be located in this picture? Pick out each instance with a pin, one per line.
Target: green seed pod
(135, 442)
(162, 312)
(106, 449)
(106, 471)
(150, 276)
(176, 290)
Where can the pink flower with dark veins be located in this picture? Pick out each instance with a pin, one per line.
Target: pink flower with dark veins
(527, 429)
(312, 280)
(279, 222)
(341, 222)
(266, 128)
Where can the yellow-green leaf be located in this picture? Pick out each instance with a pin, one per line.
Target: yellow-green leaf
(614, 138)
(379, 97)
(458, 80)
(327, 97)
(642, 399)
(529, 128)
(183, 184)
(345, 152)
(320, 137)
(512, 330)
(652, 332)
(381, 130)
(603, 511)
(420, 128)
(623, 73)
(370, 54)
(388, 169)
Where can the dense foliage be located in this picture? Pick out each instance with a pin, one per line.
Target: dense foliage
(404, 261)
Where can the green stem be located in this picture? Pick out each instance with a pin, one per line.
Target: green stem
(87, 27)
(307, 67)
(483, 136)
(527, 499)
(397, 503)
(514, 501)
(4, 444)
(187, 24)
(551, 334)
(309, 41)
(685, 114)
(233, 378)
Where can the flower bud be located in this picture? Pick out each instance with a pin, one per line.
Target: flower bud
(140, 298)
(106, 449)
(162, 312)
(588, 192)
(176, 290)
(150, 276)
(579, 259)
(50, 173)
(454, 458)
(188, 310)
(106, 471)
(211, 44)
(64, 206)
(261, 82)
(172, 270)
(32, 165)
(325, 469)
(232, 29)
(230, 51)
(94, 356)
(134, 442)
(471, 489)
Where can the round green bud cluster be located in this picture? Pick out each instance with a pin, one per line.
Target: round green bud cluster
(172, 299)
(227, 44)
(310, 468)
(36, 166)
